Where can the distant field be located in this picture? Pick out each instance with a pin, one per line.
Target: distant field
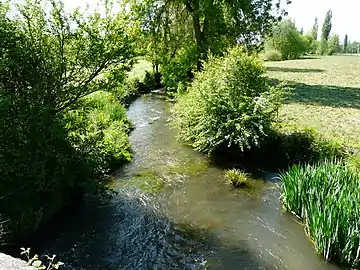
(326, 95)
(140, 68)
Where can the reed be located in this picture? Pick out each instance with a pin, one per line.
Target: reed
(327, 197)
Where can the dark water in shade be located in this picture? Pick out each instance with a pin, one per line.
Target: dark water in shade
(173, 211)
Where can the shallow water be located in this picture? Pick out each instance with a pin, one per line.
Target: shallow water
(173, 211)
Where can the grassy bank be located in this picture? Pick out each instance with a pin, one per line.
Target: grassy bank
(326, 94)
(325, 195)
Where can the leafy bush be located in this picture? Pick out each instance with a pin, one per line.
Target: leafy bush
(327, 197)
(178, 68)
(99, 130)
(49, 61)
(287, 40)
(230, 103)
(236, 177)
(272, 55)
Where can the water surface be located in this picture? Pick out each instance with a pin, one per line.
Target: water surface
(173, 211)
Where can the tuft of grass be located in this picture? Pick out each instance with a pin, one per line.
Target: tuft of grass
(236, 177)
(325, 96)
(327, 197)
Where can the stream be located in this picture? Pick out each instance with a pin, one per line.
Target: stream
(173, 210)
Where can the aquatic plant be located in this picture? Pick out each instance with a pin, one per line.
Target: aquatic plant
(327, 197)
(236, 177)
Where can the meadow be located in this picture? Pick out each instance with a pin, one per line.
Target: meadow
(325, 96)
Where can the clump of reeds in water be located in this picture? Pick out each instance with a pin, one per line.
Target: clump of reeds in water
(327, 197)
(236, 177)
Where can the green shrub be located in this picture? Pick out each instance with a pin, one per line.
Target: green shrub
(327, 197)
(287, 40)
(99, 131)
(307, 145)
(178, 68)
(272, 55)
(229, 103)
(236, 177)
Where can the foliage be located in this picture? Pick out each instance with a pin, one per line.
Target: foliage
(327, 197)
(327, 25)
(272, 55)
(333, 45)
(306, 145)
(345, 44)
(229, 103)
(177, 70)
(311, 44)
(236, 177)
(49, 61)
(315, 30)
(287, 40)
(99, 130)
(38, 264)
(171, 31)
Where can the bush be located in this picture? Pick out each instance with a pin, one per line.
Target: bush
(272, 55)
(236, 177)
(178, 69)
(327, 197)
(99, 131)
(287, 40)
(46, 68)
(230, 103)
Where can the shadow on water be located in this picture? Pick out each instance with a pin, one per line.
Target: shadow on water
(127, 233)
(192, 220)
(295, 70)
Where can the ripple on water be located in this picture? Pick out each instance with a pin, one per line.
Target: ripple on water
(174, 211)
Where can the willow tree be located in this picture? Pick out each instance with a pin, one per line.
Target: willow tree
(207, 26)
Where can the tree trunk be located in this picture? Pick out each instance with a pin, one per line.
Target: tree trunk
(194, 11)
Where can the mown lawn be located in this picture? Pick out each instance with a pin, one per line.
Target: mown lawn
(325, 96)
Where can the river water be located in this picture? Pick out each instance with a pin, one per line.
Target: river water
(173, 210)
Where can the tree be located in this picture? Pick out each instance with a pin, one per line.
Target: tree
(327, 25)
(49, 60)
(315, 30)
(302, 30)
(345, 45)
(287, 40)
(195, 28)
(333, 45)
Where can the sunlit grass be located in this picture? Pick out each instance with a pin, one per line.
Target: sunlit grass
(326, 96)
(236, 177)
(140, 68)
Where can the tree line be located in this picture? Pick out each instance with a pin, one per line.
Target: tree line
(287, 42)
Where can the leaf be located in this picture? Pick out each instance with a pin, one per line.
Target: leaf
(37, 263)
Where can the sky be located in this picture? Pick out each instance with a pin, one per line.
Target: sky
(346, 16)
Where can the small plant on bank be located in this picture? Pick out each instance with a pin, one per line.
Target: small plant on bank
(38, 264)
(236, 177)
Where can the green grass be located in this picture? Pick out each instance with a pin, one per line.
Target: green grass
(327, 197)
(236, 177)
(140, 68)
(326, 96)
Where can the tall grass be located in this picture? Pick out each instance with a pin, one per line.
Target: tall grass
(327, 197)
